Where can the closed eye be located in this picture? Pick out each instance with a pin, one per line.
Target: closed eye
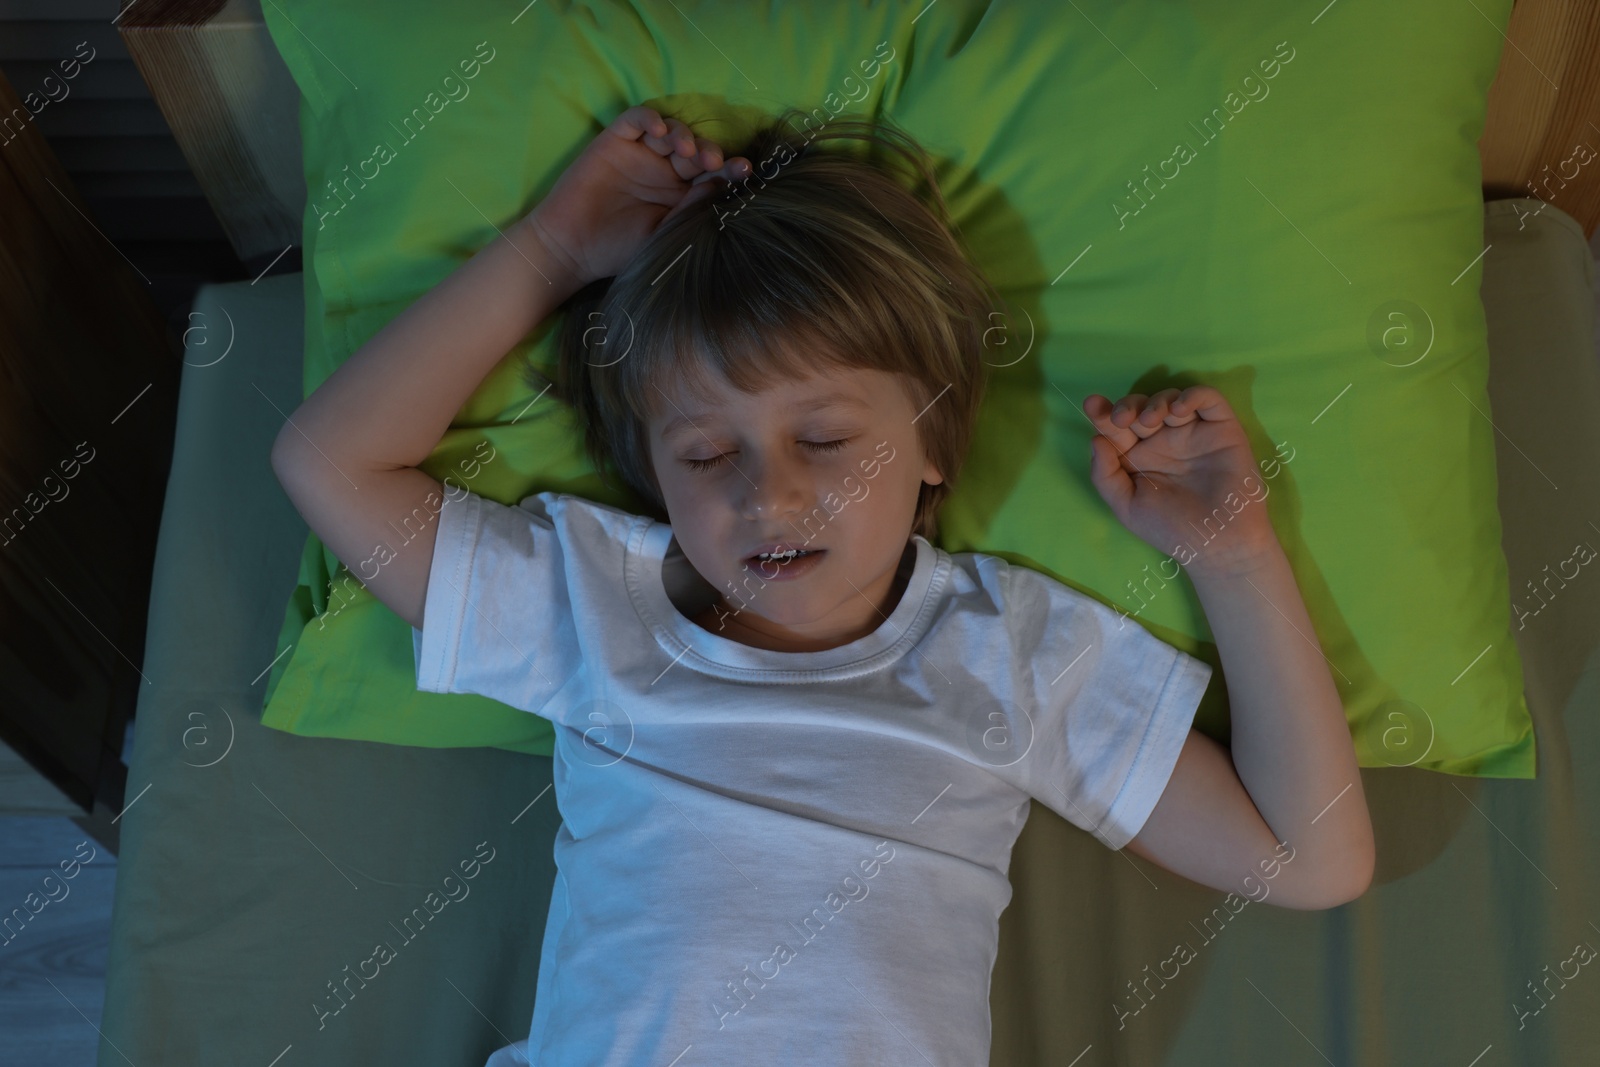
(816, 446)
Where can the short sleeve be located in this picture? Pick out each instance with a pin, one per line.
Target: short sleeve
(497, 618)
(1110, 706)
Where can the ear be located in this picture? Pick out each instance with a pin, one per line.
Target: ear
(930, 473)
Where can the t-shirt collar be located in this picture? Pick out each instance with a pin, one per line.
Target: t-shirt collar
(654, 558)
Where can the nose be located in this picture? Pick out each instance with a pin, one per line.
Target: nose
(778, 488)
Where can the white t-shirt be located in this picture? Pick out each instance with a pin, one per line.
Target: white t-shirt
(788, 857)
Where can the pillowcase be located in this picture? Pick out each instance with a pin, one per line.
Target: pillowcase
(1283, 204)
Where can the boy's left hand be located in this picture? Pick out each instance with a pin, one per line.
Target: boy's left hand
(1166, 463)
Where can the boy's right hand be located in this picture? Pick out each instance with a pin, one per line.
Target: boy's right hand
(640, 171)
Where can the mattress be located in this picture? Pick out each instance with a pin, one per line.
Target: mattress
(310, 901)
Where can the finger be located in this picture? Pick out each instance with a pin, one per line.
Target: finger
(1156, 411)
(637, 122)
(1203, 401)
(1126, 413)
(682, 141)
(675, 143)
(704, 156)
(1176, 416)
(734, 170)
(1113, 483)
(1127, 409)
(710, 153)
(1146, 414)
(1099, 410)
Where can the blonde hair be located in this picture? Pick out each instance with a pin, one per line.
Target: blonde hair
(829, 253)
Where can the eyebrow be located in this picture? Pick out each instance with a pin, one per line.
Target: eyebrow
(833, 399)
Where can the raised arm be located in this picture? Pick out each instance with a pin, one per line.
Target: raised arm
(1291, 776)
(348, 455)
(1281, 818)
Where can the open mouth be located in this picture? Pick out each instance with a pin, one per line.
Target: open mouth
(781, 558)
(781, 566)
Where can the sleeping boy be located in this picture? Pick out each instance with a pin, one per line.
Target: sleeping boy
(795, 741)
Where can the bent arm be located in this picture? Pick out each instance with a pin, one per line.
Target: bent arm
(390, 403)
(381, 524)
(1291, 741)
(1291, 776)
(347, 457)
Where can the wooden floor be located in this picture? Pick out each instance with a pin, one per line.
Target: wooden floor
(121, 157)
(53, 963)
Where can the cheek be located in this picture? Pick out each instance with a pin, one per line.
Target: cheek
(892, 490)
(680, 492)
(670, 477)
(696, 502)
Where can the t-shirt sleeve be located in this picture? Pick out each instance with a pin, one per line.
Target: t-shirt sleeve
(1107, 706)
(497, 618)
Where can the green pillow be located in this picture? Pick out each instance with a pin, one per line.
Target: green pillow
(1284, 203)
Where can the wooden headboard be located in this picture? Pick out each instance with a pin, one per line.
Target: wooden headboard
(1541, 137)
(233, 108)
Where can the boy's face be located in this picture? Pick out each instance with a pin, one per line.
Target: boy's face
(829, 464)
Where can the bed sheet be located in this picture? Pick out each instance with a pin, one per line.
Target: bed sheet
(261, 871)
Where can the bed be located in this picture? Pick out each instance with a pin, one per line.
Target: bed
(259, 868)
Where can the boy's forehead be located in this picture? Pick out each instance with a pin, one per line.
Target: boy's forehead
(680, 409)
